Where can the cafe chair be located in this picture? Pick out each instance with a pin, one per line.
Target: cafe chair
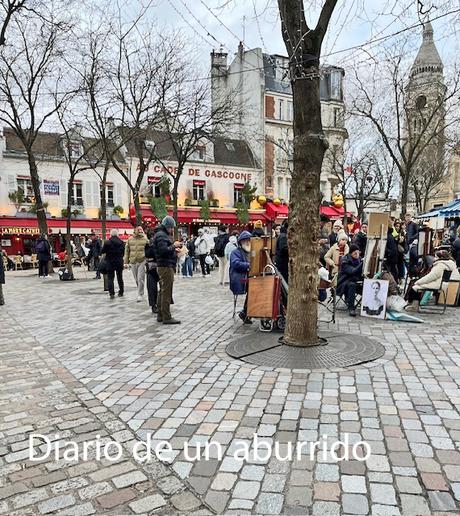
(439, 308)
(17, 260)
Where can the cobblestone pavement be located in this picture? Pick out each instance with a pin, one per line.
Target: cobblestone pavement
(120, 367)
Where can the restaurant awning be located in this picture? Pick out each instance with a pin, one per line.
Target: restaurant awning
(333, 212)
(450, 210)
(24, 225)
(191, 215)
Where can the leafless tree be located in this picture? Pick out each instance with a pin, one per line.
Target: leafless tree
(303, 44)
(30, 74)
(9, 9)
(412, 129)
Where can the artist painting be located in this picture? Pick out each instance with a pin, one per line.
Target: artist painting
(375, 294)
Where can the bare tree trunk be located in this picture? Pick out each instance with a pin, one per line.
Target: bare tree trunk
(69, 225)
(35, 180)
(175, 201)
(405, 193)
(137, 207)
(304, 219)
(104, 206)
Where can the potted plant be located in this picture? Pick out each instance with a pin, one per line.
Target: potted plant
(187, 202)
(117, 211)
(158, 207)
(64, 213)
(242, 212)
(205, 212)
(214, 203)
(165, 188)
(18, 199)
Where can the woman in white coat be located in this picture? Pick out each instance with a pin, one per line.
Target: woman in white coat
(443, 262)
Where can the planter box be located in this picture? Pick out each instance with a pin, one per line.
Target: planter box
(214, 204)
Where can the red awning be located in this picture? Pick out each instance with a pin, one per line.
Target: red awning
(333, 212)
(274, 212)
(18, 225)
(191, 215)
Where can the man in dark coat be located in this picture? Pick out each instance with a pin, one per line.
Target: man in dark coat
(2, 277)
(350, 272)
(282, 252)
(411, 229)
(114, 249)
(152, 273)
(165, 251)
(360, 239)
(43, 250)
(95, 249)
(239, 270)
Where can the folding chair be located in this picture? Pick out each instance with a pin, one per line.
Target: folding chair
(438, 309)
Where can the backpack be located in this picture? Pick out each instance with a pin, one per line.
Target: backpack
(220, 242)
(40, 247)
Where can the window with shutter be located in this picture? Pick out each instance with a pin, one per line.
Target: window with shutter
(64, 189)
(88, 194)
(96, 197)
(117, 195)
(12, 185)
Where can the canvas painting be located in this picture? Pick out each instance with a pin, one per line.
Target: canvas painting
(375, 293)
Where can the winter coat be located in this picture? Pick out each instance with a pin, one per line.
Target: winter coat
(456, 251)
(163, 247)
(202, 245)
(191, 248)
(114, 249)
(2, 269)
(282, 254)
(332, 257)
(360, 240)
(220, 242)
(333, 237)
(351, 271)
(391, 250)
(229, 248)
(44, 254)
(411, 232)
(239, 268)
(95, 248)
(135, 249)
(432, 280)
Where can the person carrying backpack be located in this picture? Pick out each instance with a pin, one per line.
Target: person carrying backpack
(220, 241)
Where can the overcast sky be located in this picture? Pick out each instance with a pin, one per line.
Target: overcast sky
(355, 22)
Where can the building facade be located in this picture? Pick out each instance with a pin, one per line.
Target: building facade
(259, 83)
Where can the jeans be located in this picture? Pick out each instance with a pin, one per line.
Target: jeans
(204, 266)
(96, 261)
(166, 275)
(350, 294)
(222, 269)
(187, 267)
(111, 281)
(138, 270)
(43, 267)
(152, 286)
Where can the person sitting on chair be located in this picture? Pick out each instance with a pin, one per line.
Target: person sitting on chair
(350, 273)
(239, 270)
(433, 280)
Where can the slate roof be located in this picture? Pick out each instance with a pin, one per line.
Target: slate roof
(428, 54)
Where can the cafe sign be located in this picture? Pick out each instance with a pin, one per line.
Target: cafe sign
(50, 187)
(16, 230)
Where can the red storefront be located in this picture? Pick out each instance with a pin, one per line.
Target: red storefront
(18, 234)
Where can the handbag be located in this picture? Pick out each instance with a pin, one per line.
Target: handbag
(208, 260)
(102, 267)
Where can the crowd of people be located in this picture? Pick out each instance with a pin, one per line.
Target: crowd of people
(155, 258)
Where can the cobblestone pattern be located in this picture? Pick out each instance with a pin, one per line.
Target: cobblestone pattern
(37, 395)
(176, 383)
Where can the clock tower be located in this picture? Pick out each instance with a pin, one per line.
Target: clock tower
(425, 108)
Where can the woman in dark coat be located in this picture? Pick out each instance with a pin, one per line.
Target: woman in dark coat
(239, 270)
(114, 250)
(282, 252)
(43, 250)
(152, 273)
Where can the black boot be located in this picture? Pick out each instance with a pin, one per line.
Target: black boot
(154, 309)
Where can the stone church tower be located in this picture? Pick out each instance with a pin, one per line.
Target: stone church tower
(425, 93)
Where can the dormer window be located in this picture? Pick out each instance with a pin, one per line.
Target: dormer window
(75, 149)
(200, 152)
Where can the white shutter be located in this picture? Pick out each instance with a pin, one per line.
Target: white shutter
(88, 194)
(117, 200)
(12, 184)
(63, 192)
(96, 197)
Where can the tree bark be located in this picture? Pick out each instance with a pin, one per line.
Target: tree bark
(176, 200)
(104, 204)
(304, 218)
(35, 180)
(137, 207)
(69, 225)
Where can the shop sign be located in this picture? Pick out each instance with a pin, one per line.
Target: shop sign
(50, 187)
(202, 221)
(220, 174)
(6, 242)
(23, 231)
(199, 182)
(153, 179)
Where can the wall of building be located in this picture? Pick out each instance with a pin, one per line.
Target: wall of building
(57, 174)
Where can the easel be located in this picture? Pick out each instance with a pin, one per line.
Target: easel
(376, 244)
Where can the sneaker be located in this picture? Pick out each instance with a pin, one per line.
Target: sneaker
(139, 299)
(112, 296)
(171, 321)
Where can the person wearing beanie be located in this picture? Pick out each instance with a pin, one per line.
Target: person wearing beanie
(239, 270)
(220, 242)
(335, 254)
(350, 273)
(202, 249)
(165, 252)
(258, 229)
